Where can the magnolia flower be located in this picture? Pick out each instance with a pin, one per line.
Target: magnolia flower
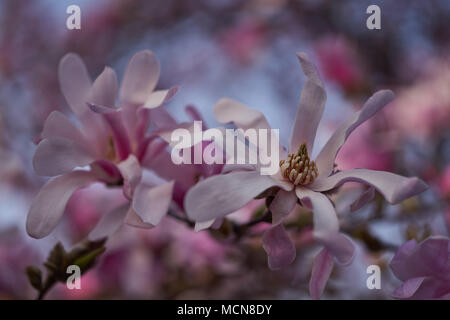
(298, 180)
(424, 269)
(111, 141)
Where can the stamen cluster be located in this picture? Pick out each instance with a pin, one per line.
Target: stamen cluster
(298, 168)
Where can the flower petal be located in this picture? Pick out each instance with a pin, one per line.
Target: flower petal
(104, 89)
(279, 247)
(57, 125)
(49, 205)
(159, 97)
(325, 159)
(393, 187)
(325, 219)
(132, 219)
(152, 203)
(75, 83)
(228, 110)
(115, 122)
(55, 156)
(321, 271)
(310, 110)
(408, 288)
(339, 245)
(109, 223)
(363, 199)
(131, 172)
(199, 226)
(140, 79)
(283, 203)
(220, 195)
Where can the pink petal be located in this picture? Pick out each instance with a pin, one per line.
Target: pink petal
(152, 203)
(220, 195)
(325, 219)
(159, 97)
(363, 199)
(408, 288)
(57, 125)
(131, 172)
(310, 110)
(339, 245)
(195, 115)
(283, 203)
(48, 206)
(228, 110)
(429, 258)
(115, 122)
(393, 187)
(325, 159)
(106, 171)
(109, 223)
(321, 271)
(279, 247)
(140, 79)
(161, 118)
(132, 219)
(76, 85)
(55, 156)
(104, 89)
(199, 226)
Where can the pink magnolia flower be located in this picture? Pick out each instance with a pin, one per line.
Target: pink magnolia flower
(112, 141)
(298, 180)
(424, 269)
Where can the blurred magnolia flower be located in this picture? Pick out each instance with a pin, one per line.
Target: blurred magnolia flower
(424, 269)
(444, 184)
(423, 110)
(112, 141)
(338, 61)
(242, 41)
(298, 178)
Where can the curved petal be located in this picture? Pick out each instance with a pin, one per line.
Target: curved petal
(393, 187)
(321, 270)
(49, 205)
(363, 199)
(132, 219)
(152, 203)
(131, 171)
(109, 223)
(326, 157)
(115, 122)
(75, 83)
(310, 109)
(159, 97)
(325, 219)
(340, 246)
(228, 110)
(57, 125)
(199, 226)
(55, 156)
(106, 171)
(408, 288)
(283, 203)
(220, 195)
(279, 247)
(140, 78)
(104, 89)
(195, 115)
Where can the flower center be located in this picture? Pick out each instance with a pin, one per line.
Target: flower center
(298, 169)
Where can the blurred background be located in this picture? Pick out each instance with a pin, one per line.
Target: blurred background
(244, 50)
